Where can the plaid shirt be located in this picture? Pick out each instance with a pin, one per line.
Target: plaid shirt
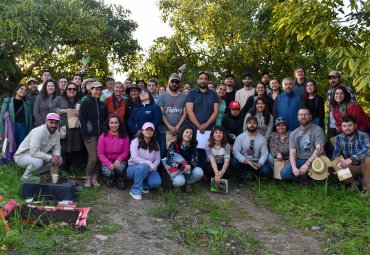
(330, 94)
(356, 149)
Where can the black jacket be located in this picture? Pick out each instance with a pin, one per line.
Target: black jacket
(93, 114)
(233, 126)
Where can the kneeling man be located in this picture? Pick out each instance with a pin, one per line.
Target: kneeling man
(354, 146)
(41, 148)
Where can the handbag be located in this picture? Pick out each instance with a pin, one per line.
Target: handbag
(278, 165)
(171, 170)
(73, 121)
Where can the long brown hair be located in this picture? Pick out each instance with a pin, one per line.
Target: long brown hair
(212, 142)
(44, 93)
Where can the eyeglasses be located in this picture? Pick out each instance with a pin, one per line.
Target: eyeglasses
(71, 89)
(303, 114)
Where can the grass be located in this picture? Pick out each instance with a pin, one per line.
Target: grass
(344, 217)
(204, 226)
(32, 239)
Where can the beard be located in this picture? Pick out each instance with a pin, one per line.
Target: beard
(251, 129)
(174, 88)
(350, 133)
(202, 85)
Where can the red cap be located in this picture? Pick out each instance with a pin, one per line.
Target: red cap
(234, 105)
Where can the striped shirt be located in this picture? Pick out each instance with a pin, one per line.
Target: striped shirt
(357, 149)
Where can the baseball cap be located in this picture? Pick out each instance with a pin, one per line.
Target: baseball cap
(31, 79)
(96, 84)
(148, 125)
(279, 120)
(334, 74)
(247, 73)
(251, 118)
(174, 76)
(230, 75)
(53, 116)
(234, 105)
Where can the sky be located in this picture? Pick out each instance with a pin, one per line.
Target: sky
(148, 17)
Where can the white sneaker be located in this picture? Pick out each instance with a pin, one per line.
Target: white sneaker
(145, 191)
(136, 197)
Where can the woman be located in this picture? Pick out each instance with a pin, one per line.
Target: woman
(147, 111)
(265, 119)
(186, 171)
(342, 106)
(313, 101)
(275, 88)
(132, 91)
(144, 161)
(279, 142)
(72, 144)
(49, 91)
(86, 86)
(93, 114)
(259, 92)
(161, 90)
(20, 115)
(218, 155)
(221, 91)
(113, 151)
(115, 103)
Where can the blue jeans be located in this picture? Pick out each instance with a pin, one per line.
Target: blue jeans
(241, 168)
(286, 172)
(20, 133)
(161, 138)
(179, 179)
(144, 179)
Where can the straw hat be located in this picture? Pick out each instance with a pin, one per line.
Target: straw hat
(319, 168)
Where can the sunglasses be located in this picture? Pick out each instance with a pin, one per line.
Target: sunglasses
(71, 89)
(250, 151)
(175, 81)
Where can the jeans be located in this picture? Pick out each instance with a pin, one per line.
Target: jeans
(119, 171)
(286, 172)
(33, 164)
(161, 138)
(202, 157)
(20, 133)
(241, 168)
(143, 178)
(209, 173)
(179, 179)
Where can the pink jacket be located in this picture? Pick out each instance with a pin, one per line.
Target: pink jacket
(112, 148)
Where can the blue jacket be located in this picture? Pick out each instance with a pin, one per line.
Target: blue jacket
(144, 113)
(287, 106)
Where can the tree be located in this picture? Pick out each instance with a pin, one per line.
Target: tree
(55, 35)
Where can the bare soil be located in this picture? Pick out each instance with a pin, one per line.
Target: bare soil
(135, 231)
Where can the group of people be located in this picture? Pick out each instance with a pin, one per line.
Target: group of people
(210, 131)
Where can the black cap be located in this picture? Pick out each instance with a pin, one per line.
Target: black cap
(230, 75)
(247, 73)
(251, 118)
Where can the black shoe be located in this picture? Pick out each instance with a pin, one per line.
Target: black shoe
(110, 182)
(121, 183)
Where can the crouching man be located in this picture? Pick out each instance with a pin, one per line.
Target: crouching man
(41, 148)
(354, 146)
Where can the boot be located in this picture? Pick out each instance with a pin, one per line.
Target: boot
(110, 181)
(120, 182)
(88, 182)
(94, 181)
(188, 188)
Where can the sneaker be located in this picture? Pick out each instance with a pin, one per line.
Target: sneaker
(88, 182)
(136, 197)
(145, 191)
(94, 181)
(353, 187)
(365, 193)
(188, 188)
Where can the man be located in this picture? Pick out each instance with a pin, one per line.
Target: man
(32, 92)
(211, 85)
(62, 83)
(172, 104)
(128, 82)
(287, 105)
(108, 91)
(230, 91)
(248, 90)
(202, 107)
(305, 144)
(141, 83)
(46, 75)
(300, 82)
(250, 148)
(153, 89)
(77, 79)
(41, 148)
(265, 79)
(334, 79)
(354, 146)
(233, 122)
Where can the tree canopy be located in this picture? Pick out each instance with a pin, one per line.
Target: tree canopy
(55, 35)
(224, 36)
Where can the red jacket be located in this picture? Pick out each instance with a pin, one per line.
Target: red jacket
(120, 110)
(356, 111)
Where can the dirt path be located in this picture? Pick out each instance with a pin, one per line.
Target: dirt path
(267, 227)
(130, 229)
